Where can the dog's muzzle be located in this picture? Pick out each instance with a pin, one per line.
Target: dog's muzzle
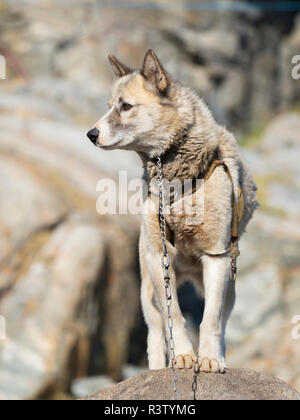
(93, 135)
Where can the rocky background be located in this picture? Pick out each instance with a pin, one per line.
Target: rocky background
(69, 277)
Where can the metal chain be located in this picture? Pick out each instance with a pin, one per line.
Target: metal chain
(167, 278)
(195, 381)
(233, 269)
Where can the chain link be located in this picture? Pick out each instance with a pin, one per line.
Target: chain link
(195, 381)
(233, 269)
(167, 278)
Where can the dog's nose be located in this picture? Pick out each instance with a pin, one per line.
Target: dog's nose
(93, 135)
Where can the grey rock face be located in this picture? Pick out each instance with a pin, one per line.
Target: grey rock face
(24, 193)
(259, 333)
(241, 65)
(48, 310)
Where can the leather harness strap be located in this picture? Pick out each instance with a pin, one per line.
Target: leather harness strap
(237, 209)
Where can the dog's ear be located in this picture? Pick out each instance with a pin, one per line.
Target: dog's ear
(154, 72)
(118, 68)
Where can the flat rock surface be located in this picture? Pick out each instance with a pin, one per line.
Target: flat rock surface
(236, 384)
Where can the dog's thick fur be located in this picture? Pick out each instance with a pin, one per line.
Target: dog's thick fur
(155, 115)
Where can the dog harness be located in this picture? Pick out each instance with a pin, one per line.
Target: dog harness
(237, 213)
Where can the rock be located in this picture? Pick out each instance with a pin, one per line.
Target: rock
(236, 384)
(240, 63)
(275, 353)
(267, 288)
(83, 386)
(282, 133)
(24, 193)
(284, 198)
(52, 176)
(129, 371)
(246, 52)
(122, 300)
(213, 43)
(280, 146)
(68, 278)
(265, 294)
(51, 312)
(289, 88)
(65, 149)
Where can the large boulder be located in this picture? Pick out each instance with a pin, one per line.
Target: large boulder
(268, 273)
(236, 384)
(63, 267)
(240, 62)
(24, 195)
(241, 65)
(49, 311)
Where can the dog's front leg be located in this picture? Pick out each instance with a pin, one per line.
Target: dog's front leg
(184, 353)
(156, 343)
(212, 329)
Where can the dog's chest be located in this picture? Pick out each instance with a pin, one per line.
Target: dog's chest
(190, 230)
(201, 221)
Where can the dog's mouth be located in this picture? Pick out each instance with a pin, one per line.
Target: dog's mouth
(108, 146)
(118, 144)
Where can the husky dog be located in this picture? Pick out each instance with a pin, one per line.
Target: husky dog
(155, 115)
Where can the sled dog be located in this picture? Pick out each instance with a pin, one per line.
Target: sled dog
(154, 115)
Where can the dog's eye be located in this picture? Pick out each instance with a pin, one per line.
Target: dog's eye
(125, 106)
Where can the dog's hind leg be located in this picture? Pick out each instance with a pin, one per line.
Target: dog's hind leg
(156, 344)
(228, 306)
(216, 313)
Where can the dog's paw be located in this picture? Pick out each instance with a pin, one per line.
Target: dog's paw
(209, 365)
(185, 361)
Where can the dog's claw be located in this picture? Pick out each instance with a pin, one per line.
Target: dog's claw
(185, 361)
(211, 365)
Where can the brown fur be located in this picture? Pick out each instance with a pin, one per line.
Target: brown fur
(165, 118)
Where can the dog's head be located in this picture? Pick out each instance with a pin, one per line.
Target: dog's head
(142, 115)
